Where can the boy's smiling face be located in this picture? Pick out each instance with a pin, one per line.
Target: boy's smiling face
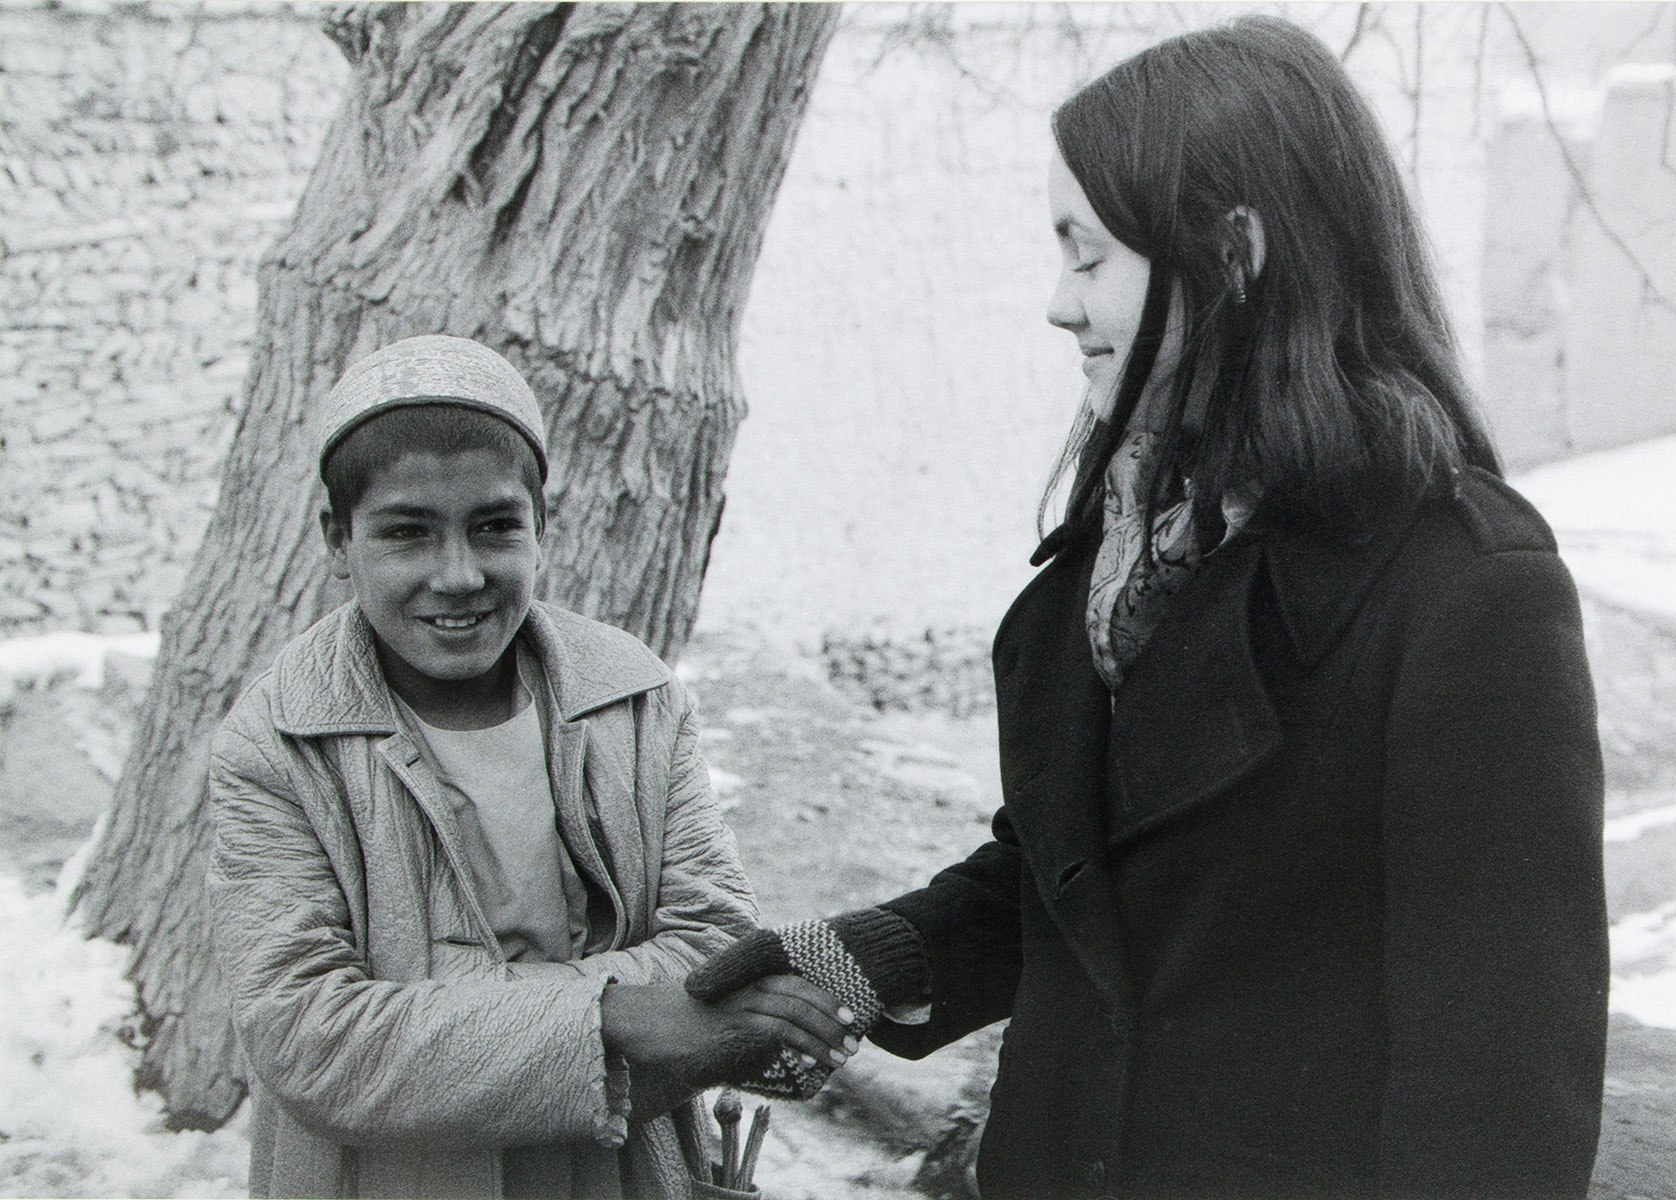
(442, 551)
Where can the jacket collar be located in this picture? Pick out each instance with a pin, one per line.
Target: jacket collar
(1319, 582)
(328, 682)
(1193, 719)
(1194, 715)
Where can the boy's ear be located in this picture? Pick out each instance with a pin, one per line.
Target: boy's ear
(337, 556)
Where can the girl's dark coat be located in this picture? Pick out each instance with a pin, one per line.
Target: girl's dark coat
(1317, 910)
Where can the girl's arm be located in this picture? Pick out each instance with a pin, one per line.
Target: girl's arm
(953, 945)
(1495, 953)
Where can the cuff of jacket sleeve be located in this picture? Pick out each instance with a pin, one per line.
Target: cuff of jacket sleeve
(609, 1094)
(909, 1014)
(889, 951)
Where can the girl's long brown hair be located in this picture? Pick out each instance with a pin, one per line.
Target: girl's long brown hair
(1335, 389)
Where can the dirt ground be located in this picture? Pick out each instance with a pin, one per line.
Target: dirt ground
(837, 806)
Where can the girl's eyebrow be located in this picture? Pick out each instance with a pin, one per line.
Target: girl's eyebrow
(1066, 227)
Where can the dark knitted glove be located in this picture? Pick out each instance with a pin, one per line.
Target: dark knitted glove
(869, 959)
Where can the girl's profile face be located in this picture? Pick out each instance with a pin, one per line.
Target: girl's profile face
(1102, 285)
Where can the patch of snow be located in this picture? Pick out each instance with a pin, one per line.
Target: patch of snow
(1628, 580)
(754, 716)
(806, 1157)
(1641, 74)
(1575, 108)
(1632, 825)
(724, 782)
(43, 657)
(920, 765)
(74, 1125)
(1643, 974)
(921, 752)
(1614, 514)
(1627, 489)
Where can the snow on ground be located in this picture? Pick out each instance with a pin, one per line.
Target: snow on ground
(78, 656)
(70, 1122)
(1614, 513)
(725, 785)
(922, 765)
(1632, 825)
(1643, 981)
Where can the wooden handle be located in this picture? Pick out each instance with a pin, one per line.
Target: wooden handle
(753, 1147)
(728, 1111)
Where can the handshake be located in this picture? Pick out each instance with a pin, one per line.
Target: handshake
(779, 1010)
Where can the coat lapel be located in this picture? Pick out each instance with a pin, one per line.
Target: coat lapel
(1053, 712)
(1193, 718)
(402, 756)
(566, 767)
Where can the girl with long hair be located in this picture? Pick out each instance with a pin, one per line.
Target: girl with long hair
(1296, 887)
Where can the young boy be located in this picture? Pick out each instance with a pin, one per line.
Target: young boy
(465, 844)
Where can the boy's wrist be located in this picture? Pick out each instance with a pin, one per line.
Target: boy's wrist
(619, 1008)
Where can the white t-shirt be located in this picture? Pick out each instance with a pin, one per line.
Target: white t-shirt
(500, 795)
(495, 781)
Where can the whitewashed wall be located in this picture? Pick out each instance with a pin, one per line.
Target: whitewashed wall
(907, 397)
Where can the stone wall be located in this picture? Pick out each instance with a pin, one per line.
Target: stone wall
(907, 397)
(151, 153)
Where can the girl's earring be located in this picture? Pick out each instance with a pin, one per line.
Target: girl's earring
(1242, 255)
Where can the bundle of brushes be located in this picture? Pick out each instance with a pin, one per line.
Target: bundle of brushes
(737, 1167)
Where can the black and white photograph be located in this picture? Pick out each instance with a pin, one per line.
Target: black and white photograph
(803, 601)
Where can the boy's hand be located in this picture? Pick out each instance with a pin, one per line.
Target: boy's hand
(870, 958)
(662, 1027)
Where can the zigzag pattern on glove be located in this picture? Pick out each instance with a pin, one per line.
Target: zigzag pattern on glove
(868, 959)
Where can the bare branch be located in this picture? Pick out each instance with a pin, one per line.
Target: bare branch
(1362, 14)
(1478, 55)
(1650, 290)
(1419, 86)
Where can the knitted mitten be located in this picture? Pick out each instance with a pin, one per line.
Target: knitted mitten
(869, 959)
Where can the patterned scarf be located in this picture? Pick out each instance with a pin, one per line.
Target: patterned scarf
(1129, 588)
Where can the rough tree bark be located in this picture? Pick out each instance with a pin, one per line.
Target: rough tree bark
(584, 188)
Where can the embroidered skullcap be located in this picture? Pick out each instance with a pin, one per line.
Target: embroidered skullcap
(431, 369)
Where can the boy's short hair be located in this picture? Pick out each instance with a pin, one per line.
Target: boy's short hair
(426, 428)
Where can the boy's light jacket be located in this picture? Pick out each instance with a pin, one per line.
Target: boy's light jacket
(394, 1051)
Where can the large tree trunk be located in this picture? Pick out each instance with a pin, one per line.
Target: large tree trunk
(582, 187)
